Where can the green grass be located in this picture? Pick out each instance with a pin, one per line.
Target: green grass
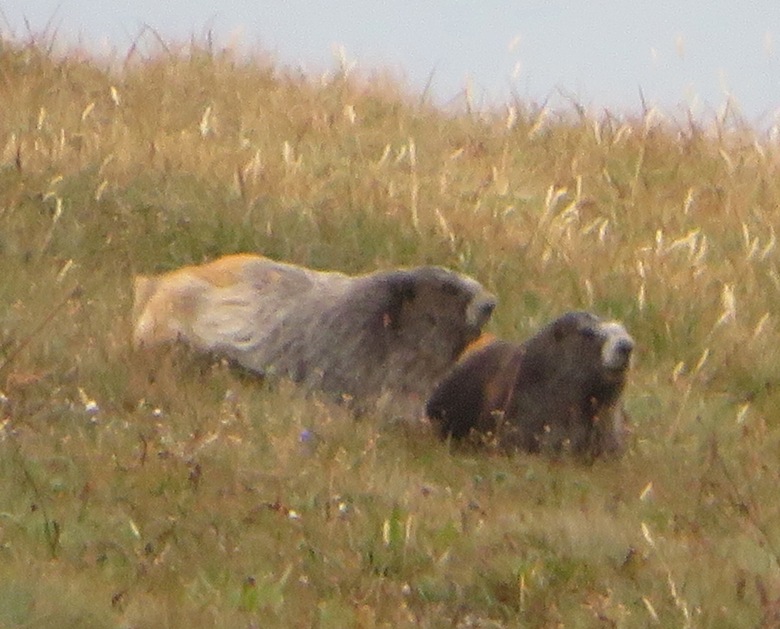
(160, 491)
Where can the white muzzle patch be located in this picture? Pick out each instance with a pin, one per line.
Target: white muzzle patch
(480, 309)
(618, 345)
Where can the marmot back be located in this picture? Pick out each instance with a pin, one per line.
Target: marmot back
(357, 337)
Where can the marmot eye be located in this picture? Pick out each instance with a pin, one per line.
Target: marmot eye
(588, 333)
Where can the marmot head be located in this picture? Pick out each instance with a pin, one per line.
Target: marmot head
(432, 302)
(578, 345)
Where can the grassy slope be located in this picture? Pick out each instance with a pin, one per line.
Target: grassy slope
(187, 498)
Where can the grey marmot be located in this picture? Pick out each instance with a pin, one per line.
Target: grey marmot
(558, 391)
(360, 338)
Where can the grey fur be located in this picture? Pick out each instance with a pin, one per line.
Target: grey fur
(361, 338)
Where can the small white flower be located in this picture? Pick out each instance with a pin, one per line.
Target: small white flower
(90, 405)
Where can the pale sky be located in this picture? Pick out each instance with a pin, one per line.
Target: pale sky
(681, 54)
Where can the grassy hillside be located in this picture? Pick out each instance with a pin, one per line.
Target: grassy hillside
(156, 492)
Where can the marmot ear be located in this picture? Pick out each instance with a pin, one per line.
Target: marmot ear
(559, 330)
(402, 288)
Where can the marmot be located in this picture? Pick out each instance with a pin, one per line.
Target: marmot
(360, 337)
(557, 391)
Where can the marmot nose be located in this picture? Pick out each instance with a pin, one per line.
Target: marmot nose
(479, 310)
(487, 307)
(624, 347)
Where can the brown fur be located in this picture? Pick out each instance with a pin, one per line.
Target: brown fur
(385, 334)
(559, 390)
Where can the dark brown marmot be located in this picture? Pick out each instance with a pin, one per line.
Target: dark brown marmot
(360, 338)
(557, 391)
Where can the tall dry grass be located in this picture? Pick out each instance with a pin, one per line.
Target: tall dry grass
(167, 492)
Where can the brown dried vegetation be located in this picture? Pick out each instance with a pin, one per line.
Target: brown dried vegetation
(143, 492)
